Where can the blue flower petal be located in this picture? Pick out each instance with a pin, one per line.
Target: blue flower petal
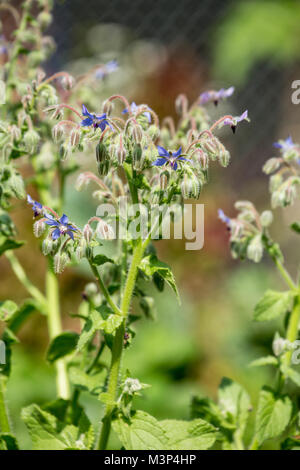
(70, 233)
(64, 219)
(148, 115)
(29, 199)
(162, 152)
(160, 162)
(56, 234)
(178, 153)
(87, 122)
(174, 165)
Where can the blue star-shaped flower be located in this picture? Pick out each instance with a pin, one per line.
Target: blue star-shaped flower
(94, 120)
(215, 96)
(36, 206)
(233, 121)
(285, 145)
(134, 109)
(169, 158)
(61, 226)
(223, 217)
(106, 69)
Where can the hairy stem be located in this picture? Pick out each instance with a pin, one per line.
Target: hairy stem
(104, 290)
(4, 421)
(55, 328)
(119, 343)
(21, 275)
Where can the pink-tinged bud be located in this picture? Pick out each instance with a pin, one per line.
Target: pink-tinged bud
(67, 82)
(105, 231)
(39, 228)
(56, 112)
(120, 151)
(271, 165)
(137, 133)
(26, 99)
(57, 132)
(82, 182)
(181, 104)
(75, 137)
(15, 132)
(108, 107)
(88, 232)
(164, 180)
(60, 262)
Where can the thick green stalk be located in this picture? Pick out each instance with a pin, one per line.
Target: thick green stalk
(21, 275)
(292, 330)
(4, 422)
(119, 343)
(55, 328)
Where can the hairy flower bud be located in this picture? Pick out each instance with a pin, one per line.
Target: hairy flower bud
(15, 132)
(16, 184)
(137, 133)
(164, 179)
(44, 19)
(64, 150)
(153, 132)
(105, 231)
(47, 246)
(57, 132)
(39, 228)
(266, 218)
(81, 182)
(271, 165)
(31, 140)
(74, 137)
(255, 249)
(137, 156)
(108, 107)
(120, 151)
(67, 82)
(191, 186)
(60, 260)
(224, 157)
(181, 104)
(88, 232)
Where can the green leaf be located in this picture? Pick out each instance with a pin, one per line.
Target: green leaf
(7, 309)
(264, 361)
(273, 415)
(151, 265)
(98, 260)
(92, 383)
(62, 345)
(141, 432)
(272, 305)
(189, 435)
(17, 320)
(290, 373)
(101, 319)
(8, 442)
(47, 432)
(234, 403)
(9, 244)
(295, 226)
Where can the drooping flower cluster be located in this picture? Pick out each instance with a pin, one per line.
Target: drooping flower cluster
(284, 171)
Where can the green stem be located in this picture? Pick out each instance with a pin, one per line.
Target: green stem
(284, 274)
(55, 328)
(104, 290)
(4, 422)
(21, 275)
(292, 330)
(119, 343)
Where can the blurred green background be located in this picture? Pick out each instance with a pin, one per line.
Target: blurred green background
(164, 50)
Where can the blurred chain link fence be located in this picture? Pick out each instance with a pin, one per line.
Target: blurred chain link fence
(189, 22)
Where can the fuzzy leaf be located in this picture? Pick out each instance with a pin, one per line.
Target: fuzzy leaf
(9, 244)
(273, 415)
(189, 435)
(98, 260)
(7, 310)
(264, 361)
(151, 265)
(8, 442)
(62, 345)
(92, 383)
(234, 403)
(272, 305)
(141, 432)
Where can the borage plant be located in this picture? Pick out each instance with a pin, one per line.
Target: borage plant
(139, 163)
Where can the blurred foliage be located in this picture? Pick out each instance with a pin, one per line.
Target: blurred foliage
(256, 31)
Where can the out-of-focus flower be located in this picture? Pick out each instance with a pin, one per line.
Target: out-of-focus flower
(223, 217)
(94, 119)
(233, 121)
(215, 96)
(286, 145)
(106, 69)
(169, 158)
(61, 226)
(36, 206)
(134, 108)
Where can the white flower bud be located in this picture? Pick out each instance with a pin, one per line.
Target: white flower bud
(60, 262)
(266, 218)
(38, 228)
(67, 82)
(271, 165)
(74, 137)
(57, 132)
(31, 140)
(105, 231)
(88, 232)
(255, 249)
